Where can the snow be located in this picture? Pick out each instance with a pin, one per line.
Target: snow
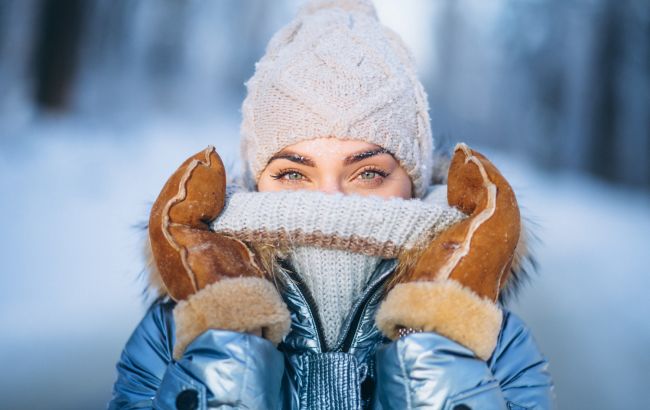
(589, 306)
(74, 191)
(73, 194)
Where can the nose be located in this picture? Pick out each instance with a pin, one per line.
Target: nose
(330, 186)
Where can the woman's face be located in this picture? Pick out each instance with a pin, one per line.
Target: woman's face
(334, 165)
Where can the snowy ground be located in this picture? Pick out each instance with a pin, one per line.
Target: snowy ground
(73, 194)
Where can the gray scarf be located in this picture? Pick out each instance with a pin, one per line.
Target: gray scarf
(335, 241)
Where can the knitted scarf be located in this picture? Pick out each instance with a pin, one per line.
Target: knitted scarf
(334, 241)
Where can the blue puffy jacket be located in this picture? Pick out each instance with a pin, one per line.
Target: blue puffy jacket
(225, 369)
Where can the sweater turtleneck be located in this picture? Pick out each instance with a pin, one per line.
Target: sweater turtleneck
(335, 278)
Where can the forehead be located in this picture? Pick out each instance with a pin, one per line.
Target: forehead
(320, 147)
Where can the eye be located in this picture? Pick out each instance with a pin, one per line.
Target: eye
(368, 174)
(288, 175)
(293, 175)
(372, 175)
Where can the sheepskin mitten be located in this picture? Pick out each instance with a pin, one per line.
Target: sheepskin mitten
(336, 71)
(214, 278)
(454, 285)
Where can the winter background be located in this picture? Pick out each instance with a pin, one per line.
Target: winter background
(101, 100)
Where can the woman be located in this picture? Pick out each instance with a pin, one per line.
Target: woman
(338, 276)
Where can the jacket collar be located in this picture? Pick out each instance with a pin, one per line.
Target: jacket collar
(306, 330)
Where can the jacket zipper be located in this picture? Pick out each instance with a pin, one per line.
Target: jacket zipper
(308, 300)
(359, 309)
(345, 340)
(346, 343)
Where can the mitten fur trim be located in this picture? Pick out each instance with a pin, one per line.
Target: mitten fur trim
(241, 304)
(444, 307)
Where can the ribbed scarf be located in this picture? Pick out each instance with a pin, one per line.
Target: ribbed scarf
(335, 241)
(364, 224)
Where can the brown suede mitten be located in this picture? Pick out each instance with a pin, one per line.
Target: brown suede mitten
(453, 287)
(214, 278)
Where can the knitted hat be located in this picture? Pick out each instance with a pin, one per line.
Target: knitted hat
(335, 71)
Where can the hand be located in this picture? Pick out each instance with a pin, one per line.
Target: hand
(215, 278)
(188, 255)
(453, 286)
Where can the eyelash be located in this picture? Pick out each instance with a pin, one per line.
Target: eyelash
(378, 171)
(283, 172)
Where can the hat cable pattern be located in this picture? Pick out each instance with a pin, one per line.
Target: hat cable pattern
(335, 71)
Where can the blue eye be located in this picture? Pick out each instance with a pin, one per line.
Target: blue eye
(368, 175)
(293, 175)
(288, 175)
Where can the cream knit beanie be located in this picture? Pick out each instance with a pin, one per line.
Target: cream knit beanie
(335, 71)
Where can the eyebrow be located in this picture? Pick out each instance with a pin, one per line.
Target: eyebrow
(350, 159)
(293, 157)
(363, 155)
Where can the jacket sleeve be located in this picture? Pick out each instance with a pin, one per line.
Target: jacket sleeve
(219, 369)
(427, 370)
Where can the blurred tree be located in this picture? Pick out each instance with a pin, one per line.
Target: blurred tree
(571, 87)
(604, 107)
(56, 51)
(564, 82)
